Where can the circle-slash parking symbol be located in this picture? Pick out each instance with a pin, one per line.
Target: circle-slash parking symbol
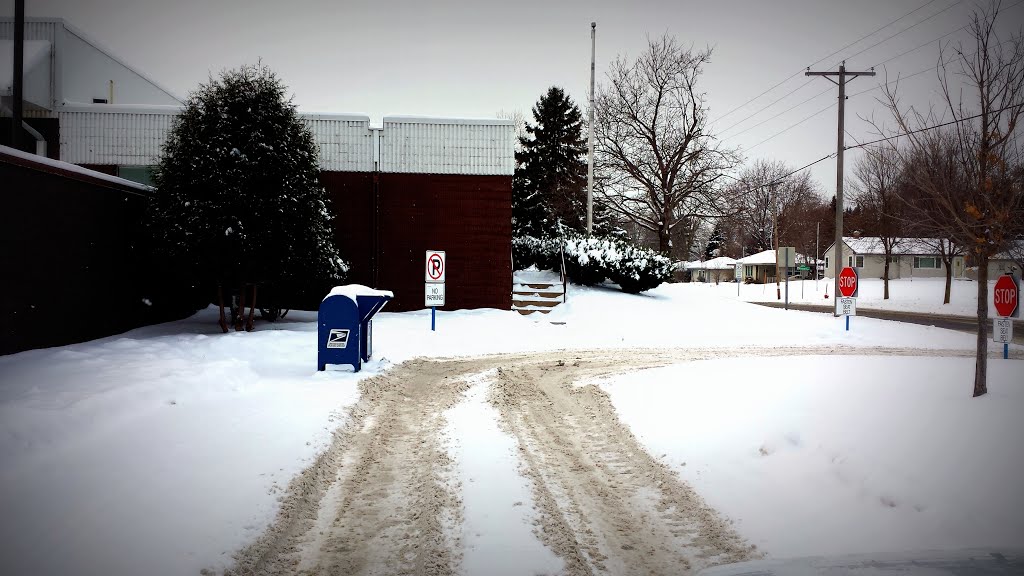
(435, 266)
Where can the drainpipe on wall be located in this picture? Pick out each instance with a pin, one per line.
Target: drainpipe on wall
(19, 73)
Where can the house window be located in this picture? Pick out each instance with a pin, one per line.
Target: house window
(927, 262)
(748, 271)
(849, 261)
(860, 261)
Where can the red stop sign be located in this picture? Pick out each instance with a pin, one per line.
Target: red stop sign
(1005, 296)
(848, 282)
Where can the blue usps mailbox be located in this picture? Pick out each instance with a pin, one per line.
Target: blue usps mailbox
(345, 325)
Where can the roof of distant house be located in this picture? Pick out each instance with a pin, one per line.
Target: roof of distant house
(720, 263)
(905, 246)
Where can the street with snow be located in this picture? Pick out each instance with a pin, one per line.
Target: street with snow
(663, 432)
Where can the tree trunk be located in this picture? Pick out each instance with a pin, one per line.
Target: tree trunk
(241, 309)
(220, 300)
(885, 277)
(981, 360)
(664, 239)
(252, 310)
(949, 281)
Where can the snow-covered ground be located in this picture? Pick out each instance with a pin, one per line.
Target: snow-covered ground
(497, 534)
(917, 295)
(165, 449)
(832, 455)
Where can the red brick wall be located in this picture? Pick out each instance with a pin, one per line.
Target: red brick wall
(469, 217)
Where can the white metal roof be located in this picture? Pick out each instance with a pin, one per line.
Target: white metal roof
(904, 246)
(68, 167)
(409, 119)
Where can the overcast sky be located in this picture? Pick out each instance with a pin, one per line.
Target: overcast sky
(474, 58)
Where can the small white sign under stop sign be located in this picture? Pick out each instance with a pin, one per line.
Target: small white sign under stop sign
(848, 306)
(1002, 331)
(434, 295)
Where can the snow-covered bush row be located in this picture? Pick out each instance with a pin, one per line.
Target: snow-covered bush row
(591, 260)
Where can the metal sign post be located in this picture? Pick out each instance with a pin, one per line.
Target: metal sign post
(1002, 331)
(783, 256)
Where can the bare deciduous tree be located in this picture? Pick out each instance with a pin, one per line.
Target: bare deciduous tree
(982, 215)
(659, 165)
(767, 201)
(936, 163)
(877, 189)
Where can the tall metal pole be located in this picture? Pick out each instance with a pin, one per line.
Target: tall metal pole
(19, 73)
(838, 252)
(817, 236)
(590, 138)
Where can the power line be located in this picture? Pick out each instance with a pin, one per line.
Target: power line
(791, 126)
(798, 72)
(926, 128)
(784, 96)
(780, 113)
(782, 178)
(902, 31)
(772, 103)
(928, 69)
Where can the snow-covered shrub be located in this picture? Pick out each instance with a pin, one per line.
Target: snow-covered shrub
(641, 269)
(590, 260)
(540, 252)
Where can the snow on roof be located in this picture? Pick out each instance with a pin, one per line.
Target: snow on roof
(334, 116)
(873, 245)
(68, 167)
(350, 291)
(122, 108)
(1014, 250)
(763, 257)
(720, 263)
(402, 119)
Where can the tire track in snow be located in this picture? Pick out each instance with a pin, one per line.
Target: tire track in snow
(379, 499)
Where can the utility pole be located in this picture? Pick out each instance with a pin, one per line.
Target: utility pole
(590, 138)
(775, 237)
(842, 74)
(19, 73)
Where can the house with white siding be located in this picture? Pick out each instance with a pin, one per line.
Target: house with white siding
(911, 257)
(713, 270)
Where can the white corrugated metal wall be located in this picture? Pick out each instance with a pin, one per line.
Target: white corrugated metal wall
(447, 146)
(124, 138)
(346, 142)
(132, 136)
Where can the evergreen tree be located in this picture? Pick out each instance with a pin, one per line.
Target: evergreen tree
(716, 243)
(239, 199)
(549, 188)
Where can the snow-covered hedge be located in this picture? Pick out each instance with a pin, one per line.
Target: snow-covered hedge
(591, 260)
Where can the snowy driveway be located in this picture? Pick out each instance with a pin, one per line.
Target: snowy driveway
(393, 494)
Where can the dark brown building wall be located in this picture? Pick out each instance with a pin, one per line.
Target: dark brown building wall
(351, 196)
(68, 260)
(469, 217)
(384, 232)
